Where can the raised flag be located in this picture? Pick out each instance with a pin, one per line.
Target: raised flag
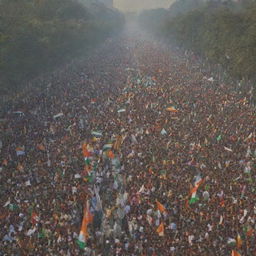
(111, 155)
(86, 150)
(83, 232)
(160, 229)
(219, 138)
(194, 197)
(239, 242)
(172, 109)
(34, 218)
(20, 151)
(160, 207)
(228, 149)
(231, 242)
(96, 134)
(163, 132)
(58, 115)
(142, 189)
(107, 146)
(235, 253)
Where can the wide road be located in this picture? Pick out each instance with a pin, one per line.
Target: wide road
(176, 175)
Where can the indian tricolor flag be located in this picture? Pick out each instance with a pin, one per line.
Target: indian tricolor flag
(83, 232)
(87, 153)
(20, 151)
(194, 197)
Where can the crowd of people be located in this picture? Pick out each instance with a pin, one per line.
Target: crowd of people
(136, 151)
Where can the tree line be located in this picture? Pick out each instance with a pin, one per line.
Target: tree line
(221, 32)
(38, 35)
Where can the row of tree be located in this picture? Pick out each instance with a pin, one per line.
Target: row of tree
(38, 35)
(223, 33)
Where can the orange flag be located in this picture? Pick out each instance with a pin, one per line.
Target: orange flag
(34, 218)
(86, 152)
(160, 229)
(239, 242)
(235, 253)
(160, 207)
(111, 154)
(172, 109)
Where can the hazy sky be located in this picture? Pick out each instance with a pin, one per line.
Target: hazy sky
(137, 5)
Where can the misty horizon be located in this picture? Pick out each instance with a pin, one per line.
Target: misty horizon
(134, 5)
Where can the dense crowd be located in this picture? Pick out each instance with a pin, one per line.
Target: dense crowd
(159, 153)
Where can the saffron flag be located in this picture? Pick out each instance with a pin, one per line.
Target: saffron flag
(111, 154)
(239, 242)
(160, 207)
(160, 229)
(86, 151)
(172, 109)
(235, 253)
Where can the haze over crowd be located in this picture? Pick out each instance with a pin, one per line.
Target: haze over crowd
(134, 5)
